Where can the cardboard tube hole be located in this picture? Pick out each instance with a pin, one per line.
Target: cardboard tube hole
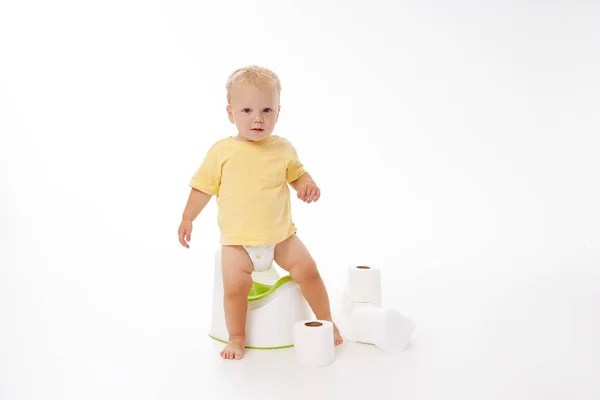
(313, 324)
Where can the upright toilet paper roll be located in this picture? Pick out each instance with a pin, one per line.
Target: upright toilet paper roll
(364, 284)
(313, 342)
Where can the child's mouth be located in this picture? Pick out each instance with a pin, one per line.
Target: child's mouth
(257, 130)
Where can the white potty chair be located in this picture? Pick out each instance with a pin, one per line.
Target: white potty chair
(275, 304)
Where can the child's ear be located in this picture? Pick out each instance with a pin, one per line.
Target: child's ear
(230, 114)
(278, 109)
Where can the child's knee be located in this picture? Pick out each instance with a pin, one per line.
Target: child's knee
(238, 286)
(305, 271)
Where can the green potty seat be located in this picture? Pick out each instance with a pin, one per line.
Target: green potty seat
(260, 291)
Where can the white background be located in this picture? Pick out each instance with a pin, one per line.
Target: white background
(455, 143)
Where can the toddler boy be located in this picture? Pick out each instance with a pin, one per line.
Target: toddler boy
(250, 173)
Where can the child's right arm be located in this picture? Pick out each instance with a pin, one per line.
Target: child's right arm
(196, 202)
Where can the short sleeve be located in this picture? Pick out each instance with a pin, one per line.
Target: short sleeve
(207, 178)
(295, 169)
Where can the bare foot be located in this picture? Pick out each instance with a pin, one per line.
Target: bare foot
(337, 337)
(235, 349)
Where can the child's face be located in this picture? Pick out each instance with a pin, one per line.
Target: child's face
(254, 111)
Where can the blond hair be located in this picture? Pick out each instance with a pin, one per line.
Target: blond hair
(254, 75)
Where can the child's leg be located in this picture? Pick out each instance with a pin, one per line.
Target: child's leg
(293, 256)
(237, 282)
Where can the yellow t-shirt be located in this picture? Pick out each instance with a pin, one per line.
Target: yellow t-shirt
(250, 180)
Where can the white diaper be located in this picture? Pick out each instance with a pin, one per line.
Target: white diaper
(261, 256)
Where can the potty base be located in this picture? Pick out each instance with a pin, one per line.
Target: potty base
(253, 347)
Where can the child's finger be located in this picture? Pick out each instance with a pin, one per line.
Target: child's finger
(315, 194)
(182, 239)
(188, 236)
(318, 194)
(311, 195)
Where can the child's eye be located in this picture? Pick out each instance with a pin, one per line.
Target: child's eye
(267, 110)
(246, 110)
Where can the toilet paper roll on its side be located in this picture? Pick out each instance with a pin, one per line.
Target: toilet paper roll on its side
(384, 327)
(343, 313)
(364, 284)
(313, 342)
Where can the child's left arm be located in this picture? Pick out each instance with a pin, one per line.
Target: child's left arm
(306, 188)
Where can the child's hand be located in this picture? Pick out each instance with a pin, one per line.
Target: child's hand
(308, 192)
(185, 233)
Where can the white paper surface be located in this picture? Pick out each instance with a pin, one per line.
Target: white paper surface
(313, 342)
(364, 284)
